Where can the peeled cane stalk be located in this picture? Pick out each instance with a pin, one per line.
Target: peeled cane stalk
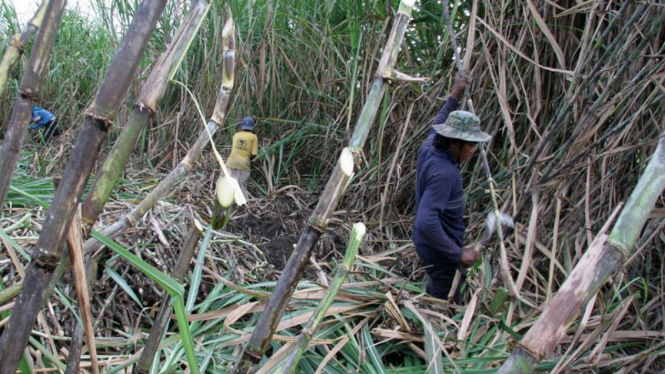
(152, 91)
(225, 196)
(331, 195)
(98, 118)
(175, 176)
(82, 283)
(144, 109)
(599, 262)
(357, 237)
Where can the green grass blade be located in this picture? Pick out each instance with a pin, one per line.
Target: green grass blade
(197, 274)
(171, 286)
(432, 344)
(183, 326)
(28, 196)
(117, 278)
(372, 352)
(24, 366)
(14, 244)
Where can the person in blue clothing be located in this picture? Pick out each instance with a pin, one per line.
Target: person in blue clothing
(44, 121)
(438, 229)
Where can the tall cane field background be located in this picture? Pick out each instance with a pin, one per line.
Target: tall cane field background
(571, 92)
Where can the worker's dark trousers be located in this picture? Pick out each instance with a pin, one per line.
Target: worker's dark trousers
(51, 130)
(440, 281)
(440, 276)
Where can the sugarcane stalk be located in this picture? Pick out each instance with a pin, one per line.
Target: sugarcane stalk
(166, 185)
(159, 324)
(564, 112)
(615, 127)
(144, 109)
(18, 44)
(292, 272)
(130, 219)
(386, 65)
(357, 236)
(8, 294)
(225, 196)
(599, 262)
(331, 195)
(98, 119)
(82, 283)
(146, 106)
(188, 163)
(28, 94)
(25, 366)
(590, 112)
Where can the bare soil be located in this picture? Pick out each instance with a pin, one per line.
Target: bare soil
(274, 225)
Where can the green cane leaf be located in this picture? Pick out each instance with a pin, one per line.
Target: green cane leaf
(117, 278)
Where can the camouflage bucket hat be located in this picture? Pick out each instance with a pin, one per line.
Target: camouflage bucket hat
(462, 125)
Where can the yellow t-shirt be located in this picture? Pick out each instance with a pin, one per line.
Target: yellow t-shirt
(245, 145)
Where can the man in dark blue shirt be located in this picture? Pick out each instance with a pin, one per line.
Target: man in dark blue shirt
(438, 230)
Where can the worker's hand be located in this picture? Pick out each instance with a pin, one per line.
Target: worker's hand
(469, 257)
(457, 92)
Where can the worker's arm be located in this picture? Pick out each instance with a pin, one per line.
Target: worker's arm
(448, 107)
(452, 103)
(428, 222)
(459, 88)
(35, 122)
(255, 146)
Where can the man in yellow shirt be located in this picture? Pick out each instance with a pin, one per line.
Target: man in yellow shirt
(245, 146)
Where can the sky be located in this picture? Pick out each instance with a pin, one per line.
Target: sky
(26, 8)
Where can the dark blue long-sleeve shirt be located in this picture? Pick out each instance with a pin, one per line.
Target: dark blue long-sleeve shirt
(438, 230)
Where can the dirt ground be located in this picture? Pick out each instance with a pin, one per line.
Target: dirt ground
(274, 225)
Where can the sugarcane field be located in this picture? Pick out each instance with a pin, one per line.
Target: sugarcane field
(330, 187)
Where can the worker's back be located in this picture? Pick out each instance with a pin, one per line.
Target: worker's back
(245, 145)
